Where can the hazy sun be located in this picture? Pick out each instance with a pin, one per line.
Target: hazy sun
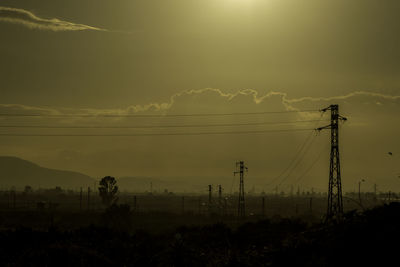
(238, 2)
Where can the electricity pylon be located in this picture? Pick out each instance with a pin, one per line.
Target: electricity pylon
(209, 195)
(241, 205)
(335, 201)
(219, 194)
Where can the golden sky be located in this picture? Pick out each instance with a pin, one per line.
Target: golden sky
(160, 56)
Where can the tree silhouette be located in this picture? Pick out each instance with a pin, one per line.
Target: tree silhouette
(108, 190)
(28, 189)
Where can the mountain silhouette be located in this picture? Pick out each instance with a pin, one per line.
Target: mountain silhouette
(19, 173)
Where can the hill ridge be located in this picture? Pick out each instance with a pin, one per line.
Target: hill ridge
(17, 172)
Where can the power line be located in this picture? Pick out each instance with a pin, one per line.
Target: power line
(298, 162)
(150, 116)
(155, 126)
(298, 157)
(294, 159)
(311, 166)
(153, 134)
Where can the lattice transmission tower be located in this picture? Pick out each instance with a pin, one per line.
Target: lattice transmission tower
(335, 201)
(240, 168)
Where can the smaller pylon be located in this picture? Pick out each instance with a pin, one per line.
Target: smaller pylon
(209, 195)
(241, 204)
(210, 204)
(220, 199)
(88, 198)
(219, 195)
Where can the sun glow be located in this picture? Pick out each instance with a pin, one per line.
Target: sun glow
(239, 2)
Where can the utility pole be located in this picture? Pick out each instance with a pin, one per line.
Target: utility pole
(220, 199)
(95, 192)
(241, 205)
(263, 206)
(88, 198)
(183, 205)
(199, 205)
(225, 206)
(335, 201)
(359, 191)
(209, 195)
(14, 194)
(80, 199)
(219, 195)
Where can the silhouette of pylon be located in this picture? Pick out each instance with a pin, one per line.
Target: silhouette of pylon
(241, 204)
(335, 201)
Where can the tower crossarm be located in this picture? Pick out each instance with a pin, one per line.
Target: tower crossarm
(323, 128)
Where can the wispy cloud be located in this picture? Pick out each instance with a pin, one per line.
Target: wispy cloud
(30, 20)
(249, 97)
(342, 97)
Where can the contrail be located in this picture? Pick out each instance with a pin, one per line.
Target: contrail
(30, 20)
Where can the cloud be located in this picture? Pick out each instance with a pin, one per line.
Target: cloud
(206, 97)
(360, 107)
(258, 100)
(371, 131)
(342, 97)
(24, 109)
(30, 20)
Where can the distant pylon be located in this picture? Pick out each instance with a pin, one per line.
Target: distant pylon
(220, 199)
(183, 205)
(219, 195)
(80, 199)
(210, 204)
(241, 204)
(209, 195)
(263, 207)
(335, 201)
(88, 198)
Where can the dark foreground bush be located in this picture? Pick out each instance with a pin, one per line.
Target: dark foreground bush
(363, 239)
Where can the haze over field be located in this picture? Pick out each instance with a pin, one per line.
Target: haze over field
(91, 59)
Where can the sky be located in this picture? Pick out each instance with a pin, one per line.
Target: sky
(160, 57)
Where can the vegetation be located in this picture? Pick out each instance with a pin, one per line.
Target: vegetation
(108, 190)
(362, 239)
